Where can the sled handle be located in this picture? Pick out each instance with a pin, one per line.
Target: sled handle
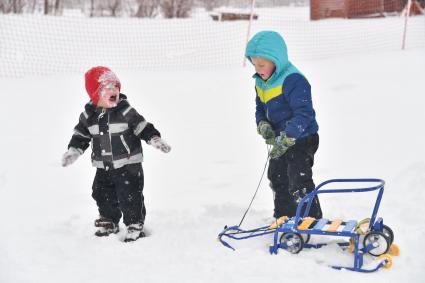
(307, 200)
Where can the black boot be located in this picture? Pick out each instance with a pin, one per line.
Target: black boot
(106, 227)
(134, 232)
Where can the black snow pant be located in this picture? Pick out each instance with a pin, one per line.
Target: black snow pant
(291, 177)
(120, 192)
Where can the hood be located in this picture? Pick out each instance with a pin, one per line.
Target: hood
(270, 45)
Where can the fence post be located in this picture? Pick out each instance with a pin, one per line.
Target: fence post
(407, 11)
(251, 18)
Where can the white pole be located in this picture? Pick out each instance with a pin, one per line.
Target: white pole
(407, 11)
(251, 17)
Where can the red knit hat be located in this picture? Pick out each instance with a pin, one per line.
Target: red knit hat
(97, 78)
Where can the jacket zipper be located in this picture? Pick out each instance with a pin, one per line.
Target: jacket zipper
(110, 141)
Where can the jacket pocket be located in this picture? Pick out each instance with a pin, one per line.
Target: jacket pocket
(127, 148)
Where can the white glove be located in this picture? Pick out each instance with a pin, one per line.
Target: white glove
(160, 144)
(70, 156)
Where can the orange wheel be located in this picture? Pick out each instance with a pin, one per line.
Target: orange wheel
(388, 258)
(394, 250)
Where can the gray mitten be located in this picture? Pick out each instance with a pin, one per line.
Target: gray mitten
(266, 131)
(281, 145)
(70, 156)
(160, 144)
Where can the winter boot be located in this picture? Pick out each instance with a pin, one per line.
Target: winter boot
(102, 221)
(134, 232)
(106, 226)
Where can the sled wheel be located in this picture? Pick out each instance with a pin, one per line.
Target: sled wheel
(306, 237)
(379, 241)
(294, 242)
(394, 250)
(388, 258)
(388, 232)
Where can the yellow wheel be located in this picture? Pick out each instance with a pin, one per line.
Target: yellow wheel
(394, 250)
(388, 258)
(351, 246)
(363, 226)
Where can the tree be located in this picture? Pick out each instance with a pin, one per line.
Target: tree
(57, 7)
(5, 7)
(12, 6)
(91, 8)
(147, 8)
(105, 8)
(176, 8)
(114, 6)
(211, 4)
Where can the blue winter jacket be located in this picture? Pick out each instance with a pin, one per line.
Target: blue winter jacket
(284, 100)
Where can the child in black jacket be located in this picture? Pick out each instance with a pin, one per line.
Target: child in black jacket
(115, 130)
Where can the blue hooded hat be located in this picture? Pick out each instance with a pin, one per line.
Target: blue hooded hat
(270, 45)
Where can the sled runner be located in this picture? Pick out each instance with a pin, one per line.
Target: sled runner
(368, 236)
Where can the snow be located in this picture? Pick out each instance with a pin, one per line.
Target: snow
(369, 108)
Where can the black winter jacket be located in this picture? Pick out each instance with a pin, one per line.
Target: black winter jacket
(115, 134)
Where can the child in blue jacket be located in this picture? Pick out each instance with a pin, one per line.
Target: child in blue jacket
(285, 119)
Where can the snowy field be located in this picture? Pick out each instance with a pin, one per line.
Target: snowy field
(369, 108)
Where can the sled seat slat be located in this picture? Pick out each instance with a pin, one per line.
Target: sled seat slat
(349, 226)
(306, 223)
(320, 224)
(334, 225)
(278, 222)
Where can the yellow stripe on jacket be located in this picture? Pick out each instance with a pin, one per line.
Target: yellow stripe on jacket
(267, 95)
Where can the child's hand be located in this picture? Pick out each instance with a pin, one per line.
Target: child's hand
(160, 144)
(266, 131)
(70, 156)
(282, 143)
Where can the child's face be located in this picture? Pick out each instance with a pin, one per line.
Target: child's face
(263, 67)
(109, 96)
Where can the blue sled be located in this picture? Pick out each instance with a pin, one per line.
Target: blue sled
(293, 233)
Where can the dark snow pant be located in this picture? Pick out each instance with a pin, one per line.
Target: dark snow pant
(291, 177)
(120, 192)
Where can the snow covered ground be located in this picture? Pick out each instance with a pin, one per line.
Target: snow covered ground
(370, 112)
(370, 117)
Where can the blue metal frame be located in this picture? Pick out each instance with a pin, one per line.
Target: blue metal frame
(291, 225)
(236, 233)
